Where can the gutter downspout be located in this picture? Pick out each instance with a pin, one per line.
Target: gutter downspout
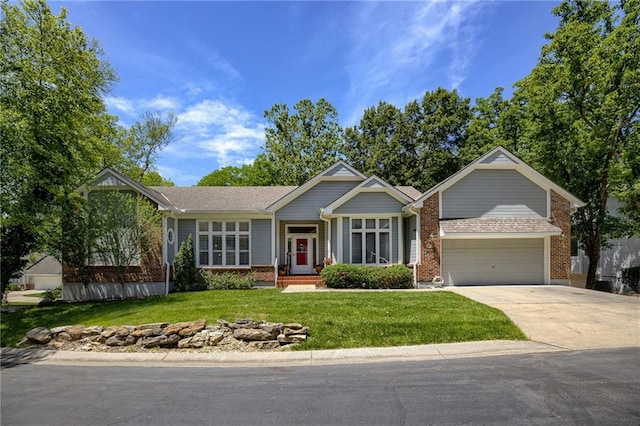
(416, 211)
(328, 221)
(166, 281)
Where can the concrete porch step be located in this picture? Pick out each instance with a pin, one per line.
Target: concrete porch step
(293, 280)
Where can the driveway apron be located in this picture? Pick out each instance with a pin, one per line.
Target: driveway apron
(566, 317)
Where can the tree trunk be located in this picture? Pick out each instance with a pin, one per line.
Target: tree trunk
(593, 267)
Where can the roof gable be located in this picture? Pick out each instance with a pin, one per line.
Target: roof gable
(372, 184)
(500, 158)
(340, 171)
(109, 178)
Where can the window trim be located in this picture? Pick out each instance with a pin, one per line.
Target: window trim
(377, 231)
(223, 234)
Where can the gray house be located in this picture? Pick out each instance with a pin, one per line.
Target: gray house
(497, 221)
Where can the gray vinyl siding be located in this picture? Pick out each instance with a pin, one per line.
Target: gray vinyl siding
(186, 227)
(261, 242)
(171, 248)
(109, 179)
(307, 206)
(340, 170)
(497, 158)
(494, 193)
(410, 242)
(371, 202)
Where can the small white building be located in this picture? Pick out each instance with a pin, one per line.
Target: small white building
(622, 253)
(44, 274)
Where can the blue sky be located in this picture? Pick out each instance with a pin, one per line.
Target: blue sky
(219, 65)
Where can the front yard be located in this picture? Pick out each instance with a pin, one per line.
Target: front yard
(335, 319)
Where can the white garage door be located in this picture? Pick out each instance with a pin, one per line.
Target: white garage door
(486, 262)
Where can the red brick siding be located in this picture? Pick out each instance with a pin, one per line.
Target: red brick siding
(560, 262)
(150, 270)
(430, 247)
(262, 273)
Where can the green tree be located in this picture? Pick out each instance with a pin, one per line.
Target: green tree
(495, 121)
(416, 146)
(16, 245)
(185, 275)
(582, 103)
(303, 143)
(128, 228)
(153, 178)
(260, 173)
(141, 145)
(376, 146)
(53, 121)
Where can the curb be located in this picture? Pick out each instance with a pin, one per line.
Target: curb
(13, 356)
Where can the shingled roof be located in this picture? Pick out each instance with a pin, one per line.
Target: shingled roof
(499, 226)
(234, 198)
(223, 198)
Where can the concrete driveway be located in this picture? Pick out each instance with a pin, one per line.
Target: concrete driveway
(571, 318)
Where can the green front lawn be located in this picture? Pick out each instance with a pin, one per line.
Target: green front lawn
(335, 319)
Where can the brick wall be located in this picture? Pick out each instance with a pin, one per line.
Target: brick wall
(430, 247)
(560, 262)
(150, 270)
(262, 273)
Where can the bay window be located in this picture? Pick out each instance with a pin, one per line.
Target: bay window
(223, 243)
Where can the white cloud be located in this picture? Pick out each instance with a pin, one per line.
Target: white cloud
(397, 49)
(120, 104)
(220, 131)
(161, 103)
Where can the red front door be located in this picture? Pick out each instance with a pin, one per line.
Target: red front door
(302, 251)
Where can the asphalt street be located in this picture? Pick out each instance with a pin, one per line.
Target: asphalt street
(586, 387)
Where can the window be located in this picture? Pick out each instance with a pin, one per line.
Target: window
(370, 241)
(223, 243)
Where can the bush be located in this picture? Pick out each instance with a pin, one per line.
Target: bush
(228, 280)
(396, 276)
(631, 277)
(357, 276)
(14, 287)
(50, 296)
(185, 273)
(342, 275)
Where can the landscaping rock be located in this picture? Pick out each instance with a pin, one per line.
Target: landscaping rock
(252, 334)
(39, 335)
(175, 328)
(242, 335)
(58, 330)
(92, 331)
(193, 328)
(152, 342)
(154, 325)
(292, 338)
(75, 331)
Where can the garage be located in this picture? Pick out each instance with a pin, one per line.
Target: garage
(493, 261)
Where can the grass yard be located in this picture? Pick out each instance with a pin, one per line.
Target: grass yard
(335, 319)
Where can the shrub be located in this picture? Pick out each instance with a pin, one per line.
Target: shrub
(228, 280)
(50, 296)
(185, 273)
(343, 275)
(396, 276)
(14, 287)
(358, 276)
(631, 277)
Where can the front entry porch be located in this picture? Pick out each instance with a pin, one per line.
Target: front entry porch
(293, 280)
